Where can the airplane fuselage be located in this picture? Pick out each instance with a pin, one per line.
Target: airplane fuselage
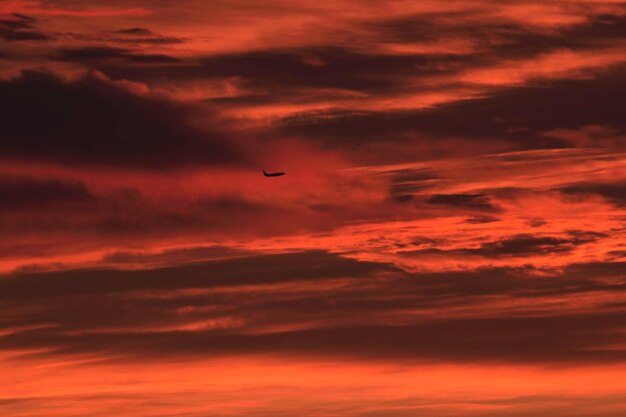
(273, 174)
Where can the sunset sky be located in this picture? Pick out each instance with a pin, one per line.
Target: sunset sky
(449, 239)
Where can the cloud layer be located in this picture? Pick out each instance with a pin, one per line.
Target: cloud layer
(448, 238)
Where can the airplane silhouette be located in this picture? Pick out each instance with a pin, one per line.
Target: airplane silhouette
(273, 174)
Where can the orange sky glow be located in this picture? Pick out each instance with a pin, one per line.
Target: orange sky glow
(449, 238)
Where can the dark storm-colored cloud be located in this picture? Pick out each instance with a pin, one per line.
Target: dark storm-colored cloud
(615, 192)
(57, 297)
(135, 31)
(138, 35)
(607, 27)
(24, 17)
(525, 245)
(328, 68)
(78, 304)
(498, 41)
(128, 213)
(241, 271)
(20, 28)
(404, 183)
(518, 115)
(505, 38)
(482, 219)
(92, 120)
(152, 40)
(515, 118)
(397, 291)
(374, 71)
(576, 338)
(275, 75)
(297, 74)
(479, 202)
(617, 254)
(176, 256)
(22, 35)
(517, 246)
(606, 269)
(513, 41)
(107, 53)
(17, 22)
(28, 193)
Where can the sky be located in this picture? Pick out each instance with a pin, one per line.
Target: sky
(449, 238)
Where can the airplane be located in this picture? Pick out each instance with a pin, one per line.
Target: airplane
(273, 174)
